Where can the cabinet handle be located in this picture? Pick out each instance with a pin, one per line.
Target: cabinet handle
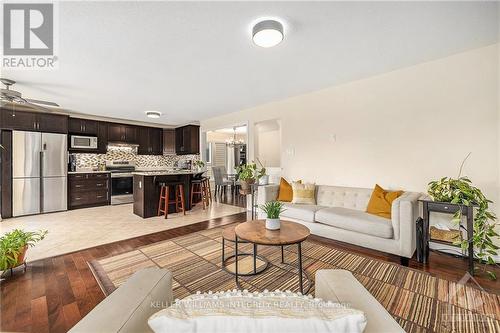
(78, 186)
(78, 198)
(100, 196)
(99, 184)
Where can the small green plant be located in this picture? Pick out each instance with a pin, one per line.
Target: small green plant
(460, 191)
(273, 209)
(199, 163)
(13, 244)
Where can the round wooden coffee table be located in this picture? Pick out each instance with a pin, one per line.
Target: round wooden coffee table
(290, 233)
(259, 262)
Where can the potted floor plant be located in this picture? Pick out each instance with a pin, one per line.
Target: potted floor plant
(273, 210)
(15, 244)
(460, 191)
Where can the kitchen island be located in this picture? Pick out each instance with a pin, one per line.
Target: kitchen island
(147, 189)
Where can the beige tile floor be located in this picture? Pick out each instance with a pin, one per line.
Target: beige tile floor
(83, 228)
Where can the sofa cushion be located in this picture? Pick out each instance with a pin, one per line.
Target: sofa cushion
(355, 220)
(347, 197)
(301, 212)
(242, 311)
(380, 203)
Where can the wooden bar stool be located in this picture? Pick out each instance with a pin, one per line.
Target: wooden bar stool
(199, 187)
(209, 190)
(164, 200)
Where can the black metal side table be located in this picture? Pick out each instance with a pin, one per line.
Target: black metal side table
(449, 208)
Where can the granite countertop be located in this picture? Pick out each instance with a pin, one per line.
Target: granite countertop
(87, 171)
(168, 172)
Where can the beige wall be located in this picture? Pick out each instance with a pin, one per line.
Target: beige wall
(267, 143)
(400, 129)
(222, 137)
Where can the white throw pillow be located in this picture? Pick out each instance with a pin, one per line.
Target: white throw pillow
(304, 193)
(242, 311)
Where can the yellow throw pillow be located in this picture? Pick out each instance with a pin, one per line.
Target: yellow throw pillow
(285, 192)
(380, 203)
(303, 193)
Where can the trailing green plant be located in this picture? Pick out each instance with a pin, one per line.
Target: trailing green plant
(460, 191)
(246, 171)
(262, 171)
(273, 209)
(249, 172)
(12, 245)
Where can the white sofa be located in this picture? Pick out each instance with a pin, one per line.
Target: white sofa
(340, 214)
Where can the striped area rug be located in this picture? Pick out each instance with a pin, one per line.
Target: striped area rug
(418, 301)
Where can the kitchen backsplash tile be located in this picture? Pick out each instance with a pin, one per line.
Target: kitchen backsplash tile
(126, 153)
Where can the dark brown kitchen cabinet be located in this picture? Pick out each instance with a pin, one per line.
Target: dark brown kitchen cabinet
(169, 141)
(82, 126)
(150, 141)
(102, 137)
(187, 140)
(122, 133)
(33, 121)
(115, 132)
(89, 190)
(54, 123)
(131, 134)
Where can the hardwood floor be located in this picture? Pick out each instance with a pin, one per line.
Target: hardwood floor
(55, 293)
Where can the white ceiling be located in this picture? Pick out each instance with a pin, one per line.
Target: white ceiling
(195, 60)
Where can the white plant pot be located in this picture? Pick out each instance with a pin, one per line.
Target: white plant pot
(273, 224)
(264, 180)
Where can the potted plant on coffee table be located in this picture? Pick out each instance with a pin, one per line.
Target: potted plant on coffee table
(15, 244)
(273, 210)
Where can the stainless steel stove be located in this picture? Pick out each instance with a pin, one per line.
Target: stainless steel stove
(122, 181)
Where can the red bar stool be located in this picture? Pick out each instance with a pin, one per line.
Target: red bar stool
(199, 187)
(164, 200)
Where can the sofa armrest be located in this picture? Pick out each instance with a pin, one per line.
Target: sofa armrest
(128, 308)
(404, 213)
(267, 193)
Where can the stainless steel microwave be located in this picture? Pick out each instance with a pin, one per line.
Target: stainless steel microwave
(83, 142)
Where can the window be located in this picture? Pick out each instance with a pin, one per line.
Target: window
(208, 153)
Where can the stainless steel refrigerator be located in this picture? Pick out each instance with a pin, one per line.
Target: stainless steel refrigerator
(39, 172)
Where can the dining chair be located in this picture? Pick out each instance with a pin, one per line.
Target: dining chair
(221, 179)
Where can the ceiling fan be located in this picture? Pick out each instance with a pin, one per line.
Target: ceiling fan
(15, 97)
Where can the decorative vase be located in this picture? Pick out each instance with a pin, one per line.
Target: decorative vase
(272, 224)
(264, 180)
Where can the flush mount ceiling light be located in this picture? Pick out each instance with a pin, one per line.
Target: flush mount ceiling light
(153, 114)
(267, 33)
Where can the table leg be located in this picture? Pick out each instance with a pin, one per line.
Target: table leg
(255, 258)
(253, 204)
(282, 255)
(300, 268)
(425, 234)
(470, 236)
(236, 259)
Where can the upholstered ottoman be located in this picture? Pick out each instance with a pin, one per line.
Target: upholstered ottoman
(339, 285)
(128, 308)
